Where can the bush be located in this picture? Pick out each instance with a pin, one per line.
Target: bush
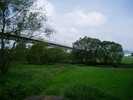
(19, 53)
(85, 92)
(5, 60)
(36, 53)
(40, 54)
(56, 55)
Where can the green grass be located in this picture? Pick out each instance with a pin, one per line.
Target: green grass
(53, 79)
(128, 60)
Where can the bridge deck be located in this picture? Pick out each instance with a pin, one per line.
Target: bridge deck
(14, 37)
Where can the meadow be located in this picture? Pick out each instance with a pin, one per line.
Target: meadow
(127, 60)
(28, 80)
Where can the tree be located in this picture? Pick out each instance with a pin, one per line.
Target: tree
(17, 18)
(85, 50)
(131, 54)
(113, 52)
(92, 51)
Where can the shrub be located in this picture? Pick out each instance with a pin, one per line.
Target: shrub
(36, 53)
(5, 58)
(56, 55)
(85, 92)
(40, 54)
(18, 54)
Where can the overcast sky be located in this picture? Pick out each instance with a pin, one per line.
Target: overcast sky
(103, 19)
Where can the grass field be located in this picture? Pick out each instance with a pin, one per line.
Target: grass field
(53, 79)
(128, 60)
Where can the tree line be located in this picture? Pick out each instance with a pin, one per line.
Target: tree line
(93, 51)
(38, 53)
(85, 51)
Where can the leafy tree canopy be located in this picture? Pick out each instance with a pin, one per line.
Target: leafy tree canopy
(91, 51)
